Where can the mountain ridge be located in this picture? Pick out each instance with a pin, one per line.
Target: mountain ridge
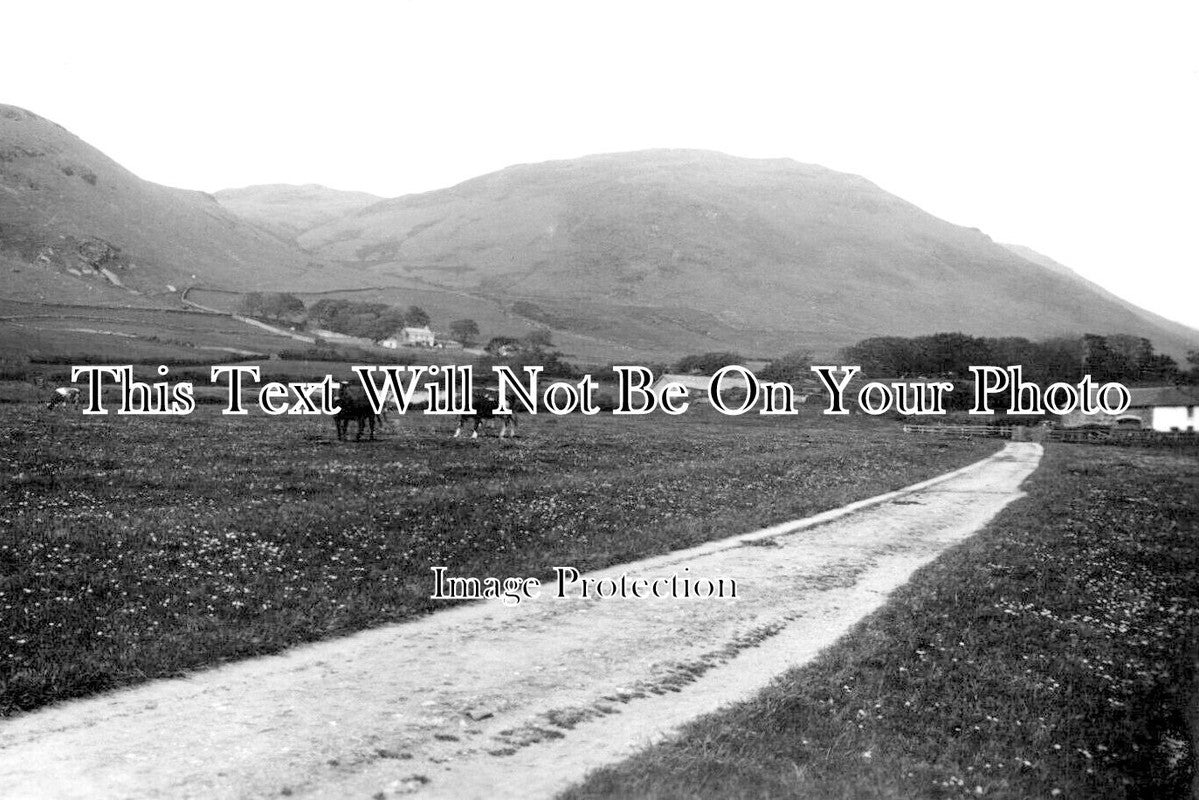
(1180, 328)
(759, 240)
(673, 248)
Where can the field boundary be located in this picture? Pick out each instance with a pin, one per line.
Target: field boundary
(246, 320)
(1131, 436)
(961, 430)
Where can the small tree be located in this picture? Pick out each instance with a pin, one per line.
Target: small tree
(464, 330)
(498, 343)
(325, 311)
(272, 305)
(416, 317)
(792, 367)
(706, 363)
(1192, 374)
(384, 325)
(282, 305)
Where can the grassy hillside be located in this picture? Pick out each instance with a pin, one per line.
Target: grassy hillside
(633, 256)
(288, 210)
(757, 244)
(1182, 332)
(75, 216)
(82, 334)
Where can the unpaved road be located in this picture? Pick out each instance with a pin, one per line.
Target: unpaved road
(489, 700)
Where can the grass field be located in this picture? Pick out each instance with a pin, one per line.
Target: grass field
(136, 548)
(1051, 656)
(105, 335)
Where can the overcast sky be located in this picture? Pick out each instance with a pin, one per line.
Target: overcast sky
(1067, 127)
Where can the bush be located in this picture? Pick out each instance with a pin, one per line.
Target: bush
(707, 363)
(791, 368)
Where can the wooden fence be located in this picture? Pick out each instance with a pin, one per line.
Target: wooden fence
(1113, 436)
(961, 431)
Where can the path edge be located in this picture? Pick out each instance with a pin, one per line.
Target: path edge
(805, 523)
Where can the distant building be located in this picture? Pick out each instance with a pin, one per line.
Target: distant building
(1159, 408)
(697, 385)
(1166, 408)
(420, 337)
(411, 337)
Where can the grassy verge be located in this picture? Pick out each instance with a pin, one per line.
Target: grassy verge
(1052, 655)
(136, 548)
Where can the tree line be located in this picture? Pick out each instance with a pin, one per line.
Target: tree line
(1115, 357)
(366, 320)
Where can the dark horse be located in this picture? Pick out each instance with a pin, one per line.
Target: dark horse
(352, 406)
(485, 404)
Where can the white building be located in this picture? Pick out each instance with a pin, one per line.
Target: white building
(420, 337)
(1159, 408)
(410, 337)
(697, 385)
(1167, 408)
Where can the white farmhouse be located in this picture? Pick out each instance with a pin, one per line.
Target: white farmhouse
(419, 337)
(1159, 408)
(410, 337)
(1166, 408)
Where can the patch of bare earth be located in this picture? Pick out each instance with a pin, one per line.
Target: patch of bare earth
(489, 700)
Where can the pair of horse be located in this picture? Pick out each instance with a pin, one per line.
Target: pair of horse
(353, 407)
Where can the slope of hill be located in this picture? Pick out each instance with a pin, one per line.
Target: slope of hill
(67, 208)
(288, 210)
(652, 253)
(771, 245)
(1028, 254)
(1180, 331)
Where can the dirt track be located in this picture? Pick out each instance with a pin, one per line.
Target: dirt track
(491, 700)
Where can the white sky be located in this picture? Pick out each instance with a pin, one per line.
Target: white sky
(1072, 128)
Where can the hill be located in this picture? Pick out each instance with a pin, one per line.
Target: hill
(288, 210)
(1183, 332)
(750, 249)
(75, 225)
(1028, 254)
(628, 256)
